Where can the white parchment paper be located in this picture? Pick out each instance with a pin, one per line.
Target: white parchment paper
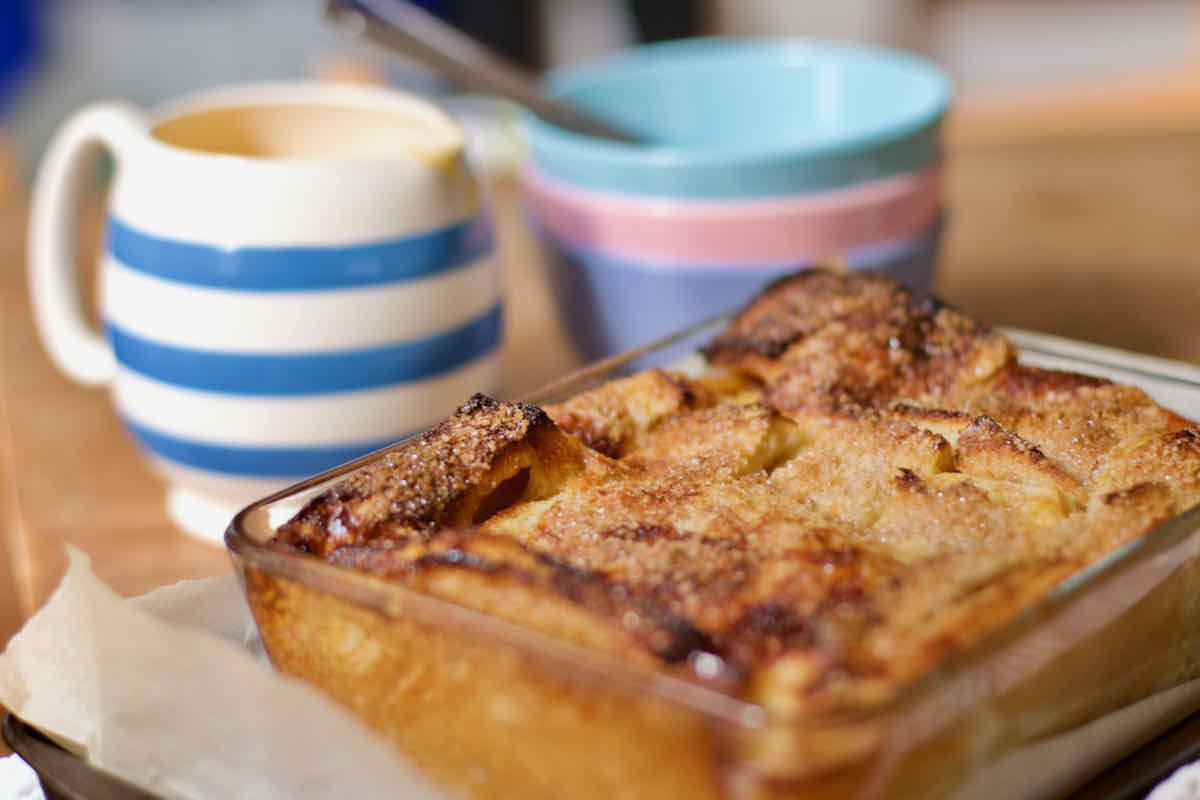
(170, 692)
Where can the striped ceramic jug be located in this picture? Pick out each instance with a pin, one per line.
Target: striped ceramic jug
(293, 275)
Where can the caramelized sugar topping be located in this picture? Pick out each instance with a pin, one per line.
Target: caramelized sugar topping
(863, 484)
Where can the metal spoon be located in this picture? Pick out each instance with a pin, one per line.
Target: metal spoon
(405, 28)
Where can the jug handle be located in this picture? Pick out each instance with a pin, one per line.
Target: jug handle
(73, 346)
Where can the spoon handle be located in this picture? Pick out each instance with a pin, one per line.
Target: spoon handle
(403, 27)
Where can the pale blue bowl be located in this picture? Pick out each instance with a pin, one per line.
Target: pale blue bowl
(746, 118)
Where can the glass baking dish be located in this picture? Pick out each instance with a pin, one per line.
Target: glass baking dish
(493, 709)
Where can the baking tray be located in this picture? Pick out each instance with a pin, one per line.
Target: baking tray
(65, 776)
(1119, 630)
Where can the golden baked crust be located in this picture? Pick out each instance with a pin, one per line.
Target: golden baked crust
(863, 485)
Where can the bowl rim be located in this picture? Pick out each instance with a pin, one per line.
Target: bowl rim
(751, 233)
(806, 205)
(562, 81)
(876, 255)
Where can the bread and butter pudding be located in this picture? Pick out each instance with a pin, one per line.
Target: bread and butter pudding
(856, 487)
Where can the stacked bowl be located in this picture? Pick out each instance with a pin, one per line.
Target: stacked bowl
(760, 157)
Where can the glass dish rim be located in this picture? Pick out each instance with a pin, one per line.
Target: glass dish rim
(709, 701)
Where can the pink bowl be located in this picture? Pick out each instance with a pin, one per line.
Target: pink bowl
(725, 232)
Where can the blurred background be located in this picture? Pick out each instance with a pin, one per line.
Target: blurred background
(1071, 189)
(1073, 146)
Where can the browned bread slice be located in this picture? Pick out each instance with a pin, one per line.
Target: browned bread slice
(488, 455)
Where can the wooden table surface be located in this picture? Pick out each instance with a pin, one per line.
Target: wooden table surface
(1099, 240)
